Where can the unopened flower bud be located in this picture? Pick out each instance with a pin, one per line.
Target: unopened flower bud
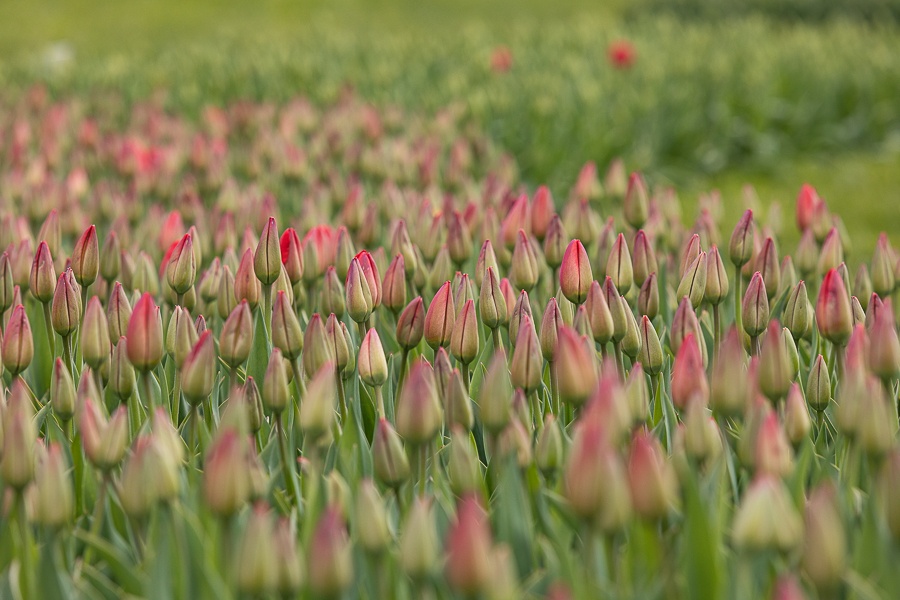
(523, 272)
(741, 247)
(555, 242)
(62, 392)
(773, 454)
(755, 307)
(276, 392)
(286, 332)
(495, 398)
(42, 281)
(797, 423)
(832, 252)
(246, 284)
(548, 450)
(181, 270)
(618, 266)
(371, 519)
(775, 365)
(651, 478)
(198, 374)
(372, 361)
(596, 484)
(883, 281)
(54, 502)
(419, 541)
(651, 349)
(360, 302)
(688, 375)
(468, 566)
(575, 274)
(145, 339)
(267, 258)
(19, 437)
(94, 335)
(236, 337)
(834, 315)
(389, 460)
(798, 312)
(693, 282)
(884, 347)
(317, 408)
(526, 366)
(635, 205)
(464, 343)
(255, 563)
(464, 467)
(65, 311)
(226, 479)
(575, 368)
(766, 518)
(17, 349)
(418, 412)
(648, 297)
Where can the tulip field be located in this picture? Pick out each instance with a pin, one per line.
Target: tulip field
(319, 318)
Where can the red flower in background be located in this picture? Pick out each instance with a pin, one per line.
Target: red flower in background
(501, 59)
(621, 54)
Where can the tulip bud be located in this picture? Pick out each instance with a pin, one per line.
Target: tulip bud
(62, 392)
(523, 268)
(618, 266)
(226, 479)
(276, 392)
(635, 205)
(654, 487)
(419, 541)
(19, 438)
(651, 349)
(94, 335)
(834, 315)
(43, 275)
(236, 337)
(286, 333)
(526, 366)
(741, 247)
(121, 371)
(548, 450)
(464, 467)
(394, 285)
(876, 423)
(832, 253)
(181, 270)
(688, 375)
(766, 518)
(86, 257)
(648, 298)
(796, 416)
(198, 374)
(775, 369)
(767, 263)
(145, 340)
(596, 484)
(464, 339)
(884, 347)
(693, 282)
(54, 502)
(226, 301)
(266, 259)
(773, 454)
(418, 411)
(65, 311)
(360, 302)
(468, 567)
(439, 319)
(798, 312)
(716, 278)
(496, 395)
(555, 242)
(575, 274)
(371, 519)
(575, 368)
(411, 324)
(755, 307)
(389, 460)
(492, 305)
(291, 255)
(599, 314)
(883, 281)
(818, 386)
(246, 284)
(372, 361)
(6, 283)
(824, 540)
(691, 251)
(17, 349)
(256, 568)
(317, 408)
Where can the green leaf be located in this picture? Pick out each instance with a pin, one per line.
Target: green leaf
(125, 571)
(700, 548)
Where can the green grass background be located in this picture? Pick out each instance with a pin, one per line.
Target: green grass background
(782, 103)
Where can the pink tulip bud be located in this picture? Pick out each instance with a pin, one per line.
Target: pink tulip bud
(575, 275)
(755, 307)
(468, 566)
(42, 281)
(236, 337)
(833, 312)
(18, 344)
(651, 478)
(688, 375)
(741, 247)
(542, 212)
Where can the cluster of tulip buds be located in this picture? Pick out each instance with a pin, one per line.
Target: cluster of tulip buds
(425, 359)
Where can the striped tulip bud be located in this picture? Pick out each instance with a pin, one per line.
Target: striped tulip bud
(651, 349)
(464, 340)
(267, 258)
(643, 258)
(370, 272)
(118, 313)
(86, 257)
(521, 309)
(198, 374)
(18, 344)
(360, 302)
(62, 392)
(648, 297)
(755, 307)
(411, 324)
(394, 285)
(526, 366)
(145, 340)
(418, 412)
(576, 373)
(575, 274)
(834, 315)
(740, 248)
(286, 333)
(492, 304)
(619, 269)
(181, 270)
(390, 464)
(94, 335)
(691, 251)
(685, 322)
(246, 285)
(689, 383)
(716, 278)
(372, 362)
(486, 259)
(43, 275)
(693, 282)
(439, 319)
(236, 337)
(798, 312)
(65, 311)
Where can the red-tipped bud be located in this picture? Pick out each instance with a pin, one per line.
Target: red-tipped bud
(286, 332)
(236, 337)
(635, 205)
(883, 280)
(575, 274)
(18, 344)
(19, 438)
(834, 315)
(292, 255)
(807, 202)
(42, 281)
(767, 263)
(542, 212)
(651, 349)
(741, 247)
(618, 266)
(688, 375)
(797, 316)
(797, 423)
(496, 392)
(145, 339)
(411, 324)
(824, 540)
(65, 311)
(226, 478)
(818, 385)
(492, 304)
(53, 498)
(372, 361)
(468, 566)
(651, 478)
(330, 565)
(94, 335)
(86, 257)
(755, 307)
(693, 281)
(389, 460)
(464, 343)
(643, 258)
(775, 366)
(246, 285)
(439, 319)
(555, 242)
(832, 252)
(418, 412)
(648, 297)
(526, 366)
(884, 347)
(773, 451)
(576, 372)
(266, 259)
(62, 392)
(599, 314)
(690, 253)
(550, 324)
(524, 267)
(198, 374)
(394, 285)
(181, 269)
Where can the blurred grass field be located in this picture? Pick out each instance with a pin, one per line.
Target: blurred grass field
(707, 103)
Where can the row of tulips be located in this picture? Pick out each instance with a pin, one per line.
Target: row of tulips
(500, 397)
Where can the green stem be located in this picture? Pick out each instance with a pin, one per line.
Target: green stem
(176, 396)
(717, 331)
(403, 359)
(495, 337)
(78, 470)
(26, 572)
(423, 459)
(97, 521)
(464, 371)
(738, 284)
(341, 395)
(267, 310)
(51, 337)
(287, 467)
(537, 411)
(146, 391)
(379, 402)
(554, 387)
(68, 355)
(620, 363)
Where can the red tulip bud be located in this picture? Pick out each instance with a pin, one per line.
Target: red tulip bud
(575, 274)
(688, 375)
(439, 319)
(651, 478)
(833, 312)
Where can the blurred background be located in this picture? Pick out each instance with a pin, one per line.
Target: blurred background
(702, 94)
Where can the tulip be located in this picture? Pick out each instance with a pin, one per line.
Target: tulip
(575, 276)
(833, 312)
